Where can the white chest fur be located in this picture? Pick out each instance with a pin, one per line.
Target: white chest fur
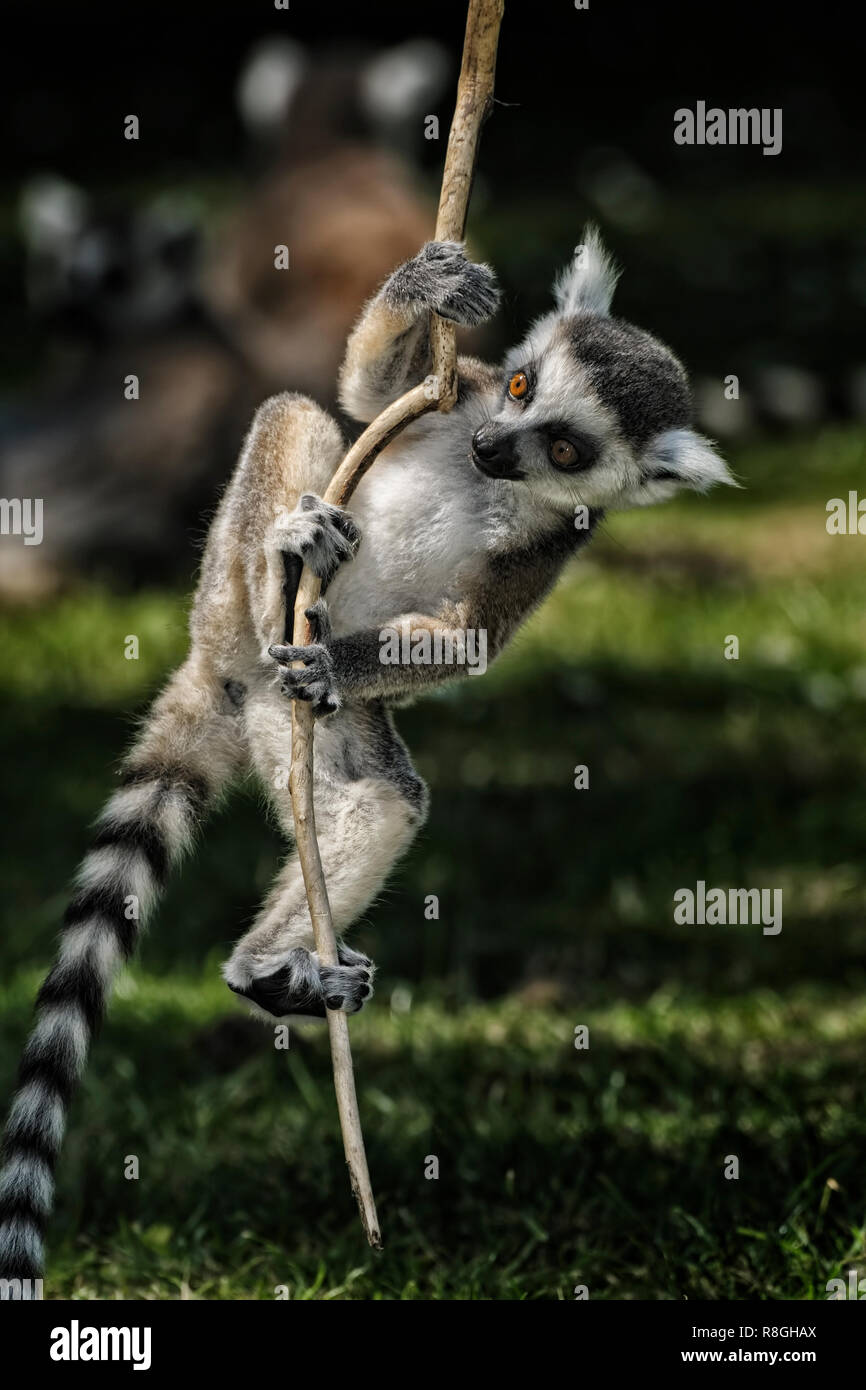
(427, 521)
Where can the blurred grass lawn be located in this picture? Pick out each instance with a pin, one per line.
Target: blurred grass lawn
(557, 1167)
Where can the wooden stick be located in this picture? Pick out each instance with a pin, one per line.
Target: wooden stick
(474, 101)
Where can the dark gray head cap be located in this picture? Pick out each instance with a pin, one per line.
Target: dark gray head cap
(633, 374)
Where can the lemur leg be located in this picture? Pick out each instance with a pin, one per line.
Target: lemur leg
(369, 802)
(368, 798)
(270, 513)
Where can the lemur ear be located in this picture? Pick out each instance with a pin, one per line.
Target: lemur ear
(587, 284)
(680, 458)
(268, 84)
(403, 82)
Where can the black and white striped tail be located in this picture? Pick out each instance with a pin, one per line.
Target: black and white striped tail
(142, 832)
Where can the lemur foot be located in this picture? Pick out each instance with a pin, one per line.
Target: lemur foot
(319, 534)
(314, 680)
(301, 986)
(441, 278)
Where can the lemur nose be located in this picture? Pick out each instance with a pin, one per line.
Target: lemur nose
(484, 445)
(494, 450)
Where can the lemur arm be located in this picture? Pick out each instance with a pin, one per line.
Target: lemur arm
(372, 663)
(388, 351)
(408, 654)
(389, 348)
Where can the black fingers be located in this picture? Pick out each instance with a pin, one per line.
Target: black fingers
(319, 620)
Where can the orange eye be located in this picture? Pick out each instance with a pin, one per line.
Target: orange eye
(518, 386)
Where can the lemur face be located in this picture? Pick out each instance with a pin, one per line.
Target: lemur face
(593, 410)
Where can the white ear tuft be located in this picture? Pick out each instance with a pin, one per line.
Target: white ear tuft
(268, 83)
(404, 82)
(586, 286)
(682, 458)
(51, 212)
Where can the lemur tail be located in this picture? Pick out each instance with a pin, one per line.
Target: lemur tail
(175, 770)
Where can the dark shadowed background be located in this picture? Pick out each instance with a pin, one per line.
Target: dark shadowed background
(155, 257)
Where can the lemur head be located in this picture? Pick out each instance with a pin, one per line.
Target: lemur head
(592, 409)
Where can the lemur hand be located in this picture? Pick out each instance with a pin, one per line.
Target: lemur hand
(314, 681)
(441, 278)
(321, 535)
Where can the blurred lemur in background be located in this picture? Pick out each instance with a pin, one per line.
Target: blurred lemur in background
(185, 296)
(467, 519)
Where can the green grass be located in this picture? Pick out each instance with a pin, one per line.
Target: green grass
(557, 1166)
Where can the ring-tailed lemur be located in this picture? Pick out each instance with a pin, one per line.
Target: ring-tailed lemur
(467, 520)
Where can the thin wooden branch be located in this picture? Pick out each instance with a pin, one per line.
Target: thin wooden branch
(439, 392)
